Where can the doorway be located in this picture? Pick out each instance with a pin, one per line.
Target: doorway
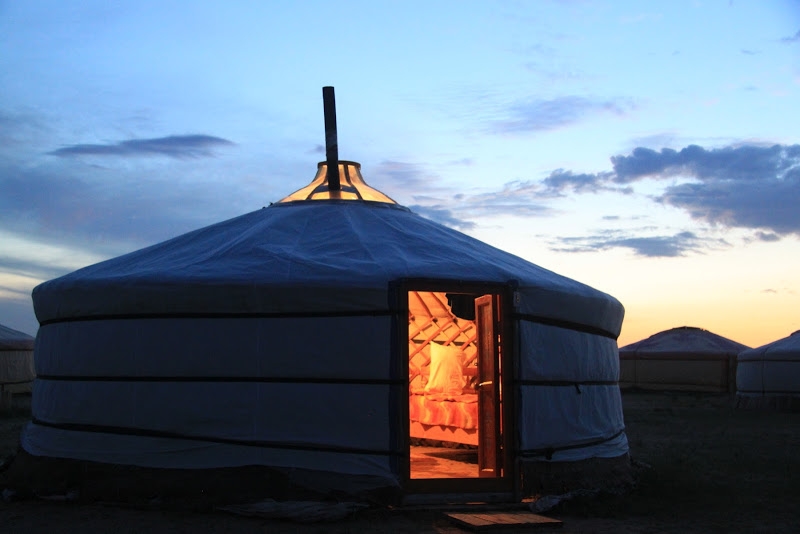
(456, 410)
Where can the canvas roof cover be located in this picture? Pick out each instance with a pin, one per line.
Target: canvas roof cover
(684, 340)
(786, 348)
(11, 339)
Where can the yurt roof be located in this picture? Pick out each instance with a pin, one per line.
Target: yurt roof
(11, 339)
(787, 348)
(684, 340)
(308, 256)
(332, 246)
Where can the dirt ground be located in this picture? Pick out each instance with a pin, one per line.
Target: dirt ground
(703, 467)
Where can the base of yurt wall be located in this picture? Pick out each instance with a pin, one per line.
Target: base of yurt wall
(30, 476)
(80, 481)
(556, 478)
(779, 403)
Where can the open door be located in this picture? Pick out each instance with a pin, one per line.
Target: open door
(490, 458)
(457, 429)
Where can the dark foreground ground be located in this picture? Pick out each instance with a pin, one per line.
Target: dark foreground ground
(706, 467)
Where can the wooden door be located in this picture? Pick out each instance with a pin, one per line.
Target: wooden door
(489, 439)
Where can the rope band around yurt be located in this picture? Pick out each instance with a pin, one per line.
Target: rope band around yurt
(560, 323)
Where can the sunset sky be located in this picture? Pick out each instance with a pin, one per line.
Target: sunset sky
(648, 149)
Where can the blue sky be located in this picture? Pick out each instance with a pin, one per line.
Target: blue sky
(649, 149)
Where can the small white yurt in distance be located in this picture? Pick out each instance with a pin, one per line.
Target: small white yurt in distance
(16, 361)
(327, 344)
(769, 376)
(681, 359)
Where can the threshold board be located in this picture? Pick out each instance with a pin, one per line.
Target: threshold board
(493, 520)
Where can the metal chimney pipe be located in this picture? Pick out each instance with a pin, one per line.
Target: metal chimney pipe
(331, 139)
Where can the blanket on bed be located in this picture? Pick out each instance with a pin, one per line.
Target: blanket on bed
(448, 410)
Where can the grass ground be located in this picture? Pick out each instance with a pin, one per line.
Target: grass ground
(712, 468)
(705, 467)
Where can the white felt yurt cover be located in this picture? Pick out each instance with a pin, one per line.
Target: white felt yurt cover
(16, 357)
(683, 341)
(771, 371)
(267, 340)
(683, 358)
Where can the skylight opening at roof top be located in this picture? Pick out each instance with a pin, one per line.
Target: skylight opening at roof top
(352, 186)
(336, 179)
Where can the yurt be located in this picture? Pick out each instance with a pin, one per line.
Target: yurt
(681, 359)
(769, 376)
(334, 344)
(16, 363)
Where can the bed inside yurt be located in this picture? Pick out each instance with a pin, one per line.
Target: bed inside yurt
(681, 359)
(769, 376)
(443, 371)
(334, 345)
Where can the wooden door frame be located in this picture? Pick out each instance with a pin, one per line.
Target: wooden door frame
(508, 485)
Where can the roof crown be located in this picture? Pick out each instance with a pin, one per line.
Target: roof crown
(351, 186)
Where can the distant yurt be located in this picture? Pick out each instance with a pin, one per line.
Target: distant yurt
(16, 362)
(332, 345)
(681, 359)
(769, 376)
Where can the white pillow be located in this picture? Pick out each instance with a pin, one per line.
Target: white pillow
(447, 375)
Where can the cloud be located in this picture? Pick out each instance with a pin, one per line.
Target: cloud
(779, 291)
(20, 129)
(407, 182)
(402, 176)
(670, 246)
(444, 216)
(81, 206)
(749, 186)
(432, 199)
(767, 237)
(793, 39)
(742, 186)
(739, 187)
(544, 115)
(428, 191)
(516, 198)
(559, 180)
(173, 146)
(35, 268)
(736, 163)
